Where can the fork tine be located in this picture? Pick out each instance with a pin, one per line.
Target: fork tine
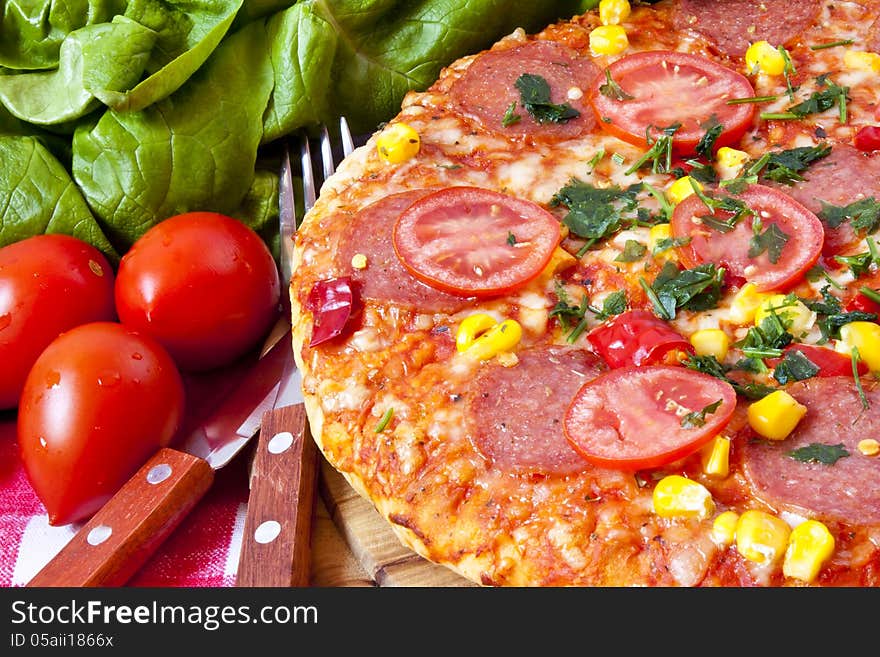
(308, 174)
(327, 153)
(345, 132)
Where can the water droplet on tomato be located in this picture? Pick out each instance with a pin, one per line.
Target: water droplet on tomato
(43, 443)
(53, 378)
(5, 320)
(137, 356)
(109, 378)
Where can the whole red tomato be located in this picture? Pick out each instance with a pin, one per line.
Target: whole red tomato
(48, 284)
(98, 402)
(203, 284)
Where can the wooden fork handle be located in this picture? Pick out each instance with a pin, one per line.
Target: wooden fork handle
(126, 532)
(275, 548)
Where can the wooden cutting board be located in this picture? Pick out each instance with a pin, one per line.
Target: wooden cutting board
(378, 553)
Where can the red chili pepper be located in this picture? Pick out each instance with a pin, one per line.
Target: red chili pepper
(332, 303)
(867, 138)
(636, 337)
(862, 303)
(829, 362)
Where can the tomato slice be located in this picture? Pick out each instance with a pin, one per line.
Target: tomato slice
(634, 418)
(475, 242)
(669, 87)
(829, 362)
(730, 247)
(636, 337)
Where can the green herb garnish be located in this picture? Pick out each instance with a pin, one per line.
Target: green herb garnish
(613, 90)
(535, 97)
(510, 116)
(698, 418)
(864, 214)
(713, 130)
(386, 418)
(771, 240)
(830, 96)
(819, 453)
(786, 166)
(854, 359)
(633, 250)
(710, 365)
(511, 239)
(594, 213)
(660, 153)
(691, 289)
(670, 243)
(794, 366)
(833, 44)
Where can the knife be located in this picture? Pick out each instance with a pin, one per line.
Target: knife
(277, 531)
(128, 529)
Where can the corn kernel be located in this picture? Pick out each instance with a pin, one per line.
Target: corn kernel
(809, 547)
(677, 496)
(797, 318)
(730, 157)
(868, 447)
(763, 57)
(681, 189)
(480, 336)
(864, 336)
(745, 303)
(776, 415)
(711, 342)
(761, 537)
(614, 12)
(716, 457)
(398, 143)
(359, 261)
(724, 528)
(608, 40)
(856, 60)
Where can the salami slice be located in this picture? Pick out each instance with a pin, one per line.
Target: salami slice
(846, 490)
(487, 90)
(844, 176)
(732, 25)
(384, 278)
(873, 42)
(517, 411)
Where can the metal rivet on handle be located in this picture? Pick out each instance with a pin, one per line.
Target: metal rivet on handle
(99, 534)
(158, 473)
(280, 442)
(267, 532)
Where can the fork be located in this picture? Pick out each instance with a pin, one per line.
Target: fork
(277, 530)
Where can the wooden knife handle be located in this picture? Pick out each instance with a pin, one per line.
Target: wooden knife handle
(120, 537)
(275, 548)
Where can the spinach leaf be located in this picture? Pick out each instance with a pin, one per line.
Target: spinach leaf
(692, 289)
(37, 196)
(595, 213)
(795, 366)
(786, 166)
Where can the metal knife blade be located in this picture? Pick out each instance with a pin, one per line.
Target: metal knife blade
(277, 529)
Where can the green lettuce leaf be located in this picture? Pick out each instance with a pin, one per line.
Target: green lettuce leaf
(195, 150)
(37, 196)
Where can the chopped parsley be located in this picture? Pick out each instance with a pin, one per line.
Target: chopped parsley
(660, 153)
(854, 358)
(713, 130)
(709, 365)
(832, 317)
(698, 418)
(833, 44)
(670, 243)
(772, 240)
(386, 418)
(594, 213)
(691, 289)
(819, 453)
(860, 263)
(829, 96)
(864, 214)
(535, 97)
(594, 161)
(614, 304)
(737, 208)
(573, 317)
(794, 366)
(511, 239)
(768, 338)
(613, 90)
(633, 250)
(751, 99)
(510, 116)
(786, 166)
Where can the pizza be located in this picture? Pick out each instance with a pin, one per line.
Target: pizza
(600, 306)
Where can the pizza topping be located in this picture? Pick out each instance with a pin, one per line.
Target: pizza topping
(829, 95)
(761, 537)
(608, 40)
(481, 337)
(516, 411)
(763, 57)
(810, 545)
(332, 303)
(614, 12)
(867, 138)
(366, 239)
(490, 91)
(786, 166)
(710, 342)
(397, 143)
(716, 457)
(673, 89)
(455, 240)
(771, 258)
(864, 337)
(690, 289)
(637, 337)
(733, 24)
(535, 97)
(675, 496)
(631, 418)
(835, 490)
